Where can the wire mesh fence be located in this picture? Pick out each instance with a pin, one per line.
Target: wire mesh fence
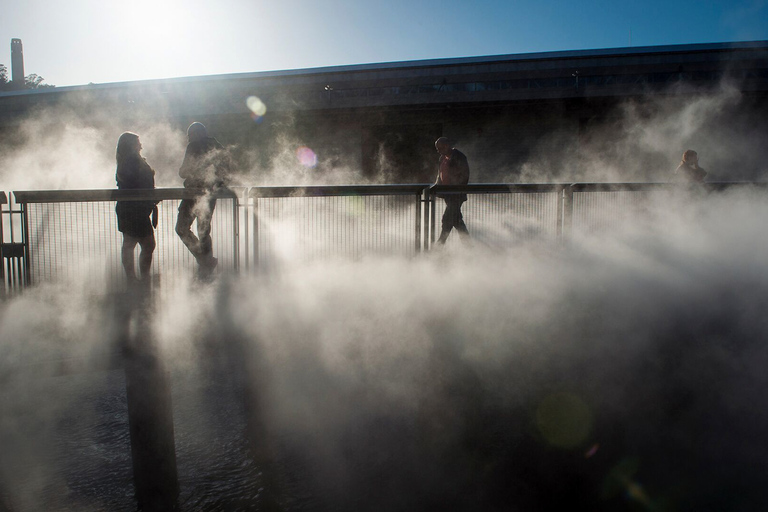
(299, 225)
(73, 235)
(504, 216)
(13, 264)
(74, 238)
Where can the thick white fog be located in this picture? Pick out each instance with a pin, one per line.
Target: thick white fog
(641, 346)
(615, 368)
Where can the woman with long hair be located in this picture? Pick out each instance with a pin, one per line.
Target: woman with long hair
(134, 217)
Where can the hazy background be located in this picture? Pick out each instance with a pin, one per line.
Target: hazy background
(71, 146)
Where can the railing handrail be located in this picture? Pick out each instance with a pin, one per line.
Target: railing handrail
(647, 186)
(160, 194)
(92, 195)
(337, 190)
(498, 188)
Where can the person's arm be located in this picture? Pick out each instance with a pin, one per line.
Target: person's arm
(463, 171)
(682, 173)
(460, 169)
(186, 165)
(224, 165)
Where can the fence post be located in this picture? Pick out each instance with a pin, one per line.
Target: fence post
(246, 229)
(429, 218)
(559, 214)
(567, 210)
(419, 199)
(236, 234)
(255, 215)
(25, 240)
(3, 201)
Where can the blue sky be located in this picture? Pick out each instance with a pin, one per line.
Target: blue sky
(82, 41)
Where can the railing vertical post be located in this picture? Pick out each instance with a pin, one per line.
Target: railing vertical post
(559, 215)
(255, 203)
(25, 241)
(3, 201)
(419, 196)
(246, 229)
(236, 233)
(432, 215)
(567, 210)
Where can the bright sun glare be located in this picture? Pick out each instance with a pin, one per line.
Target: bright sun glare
(157, 30)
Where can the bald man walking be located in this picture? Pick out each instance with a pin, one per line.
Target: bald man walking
(453, 169)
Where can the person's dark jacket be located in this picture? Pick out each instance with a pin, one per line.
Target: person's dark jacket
(685, 172)
(206, 165)
(133, 172)
(457, 172)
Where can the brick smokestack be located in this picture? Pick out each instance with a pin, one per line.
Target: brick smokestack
(17, 64)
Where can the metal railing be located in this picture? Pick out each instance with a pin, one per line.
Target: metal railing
(590, 208)
(54, 235)
(301, 223)
(503, 215)
(72, 234)
(13, 272)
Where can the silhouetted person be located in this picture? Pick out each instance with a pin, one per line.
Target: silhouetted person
(453, 169)
(689, 169)
(133, 217)
(206, 167)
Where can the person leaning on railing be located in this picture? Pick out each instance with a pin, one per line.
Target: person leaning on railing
(207, 167)
(135, 219)
(689, 169)
(453, 169)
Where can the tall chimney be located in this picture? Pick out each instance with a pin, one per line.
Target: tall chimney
(17, 64)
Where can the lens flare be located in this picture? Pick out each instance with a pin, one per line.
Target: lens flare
(306, 156)
(257, 108)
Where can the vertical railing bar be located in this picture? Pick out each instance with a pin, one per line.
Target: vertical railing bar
(246, 228)
(255, 217)
(419, 196)
(431, 222)
(2, 240)
(559, 214)
(236, 234)
(25, 241)
(567, 210)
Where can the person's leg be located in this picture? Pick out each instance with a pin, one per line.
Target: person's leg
(126, 254)
(204, 217)
(459, 223)
(449, 218)
(145, 256)
(183, 224)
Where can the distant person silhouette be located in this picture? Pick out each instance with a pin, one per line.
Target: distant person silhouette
(453, 169)
(133, 217)
(689, 169)
(206, 167)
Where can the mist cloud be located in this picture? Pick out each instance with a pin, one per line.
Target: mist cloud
(433, 381)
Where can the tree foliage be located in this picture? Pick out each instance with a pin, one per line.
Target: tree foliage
(32, 81)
